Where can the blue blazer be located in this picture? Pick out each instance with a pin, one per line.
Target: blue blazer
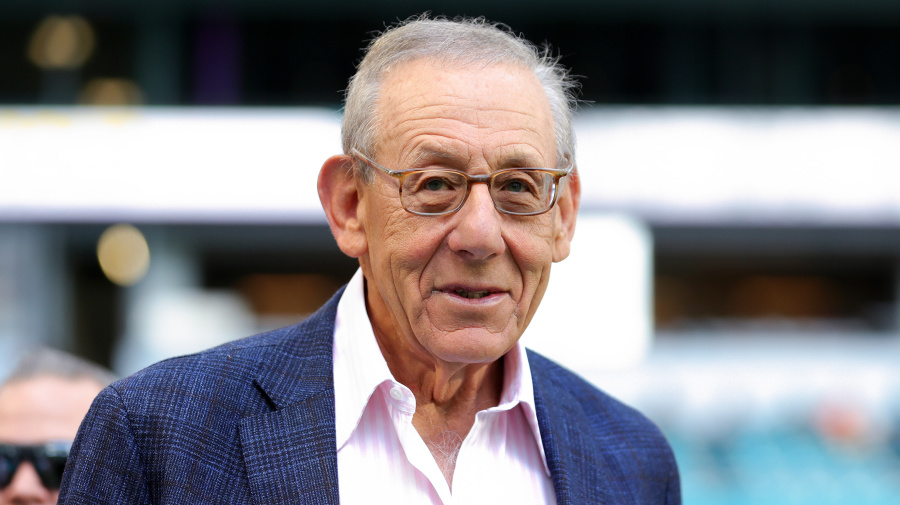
(252, 421)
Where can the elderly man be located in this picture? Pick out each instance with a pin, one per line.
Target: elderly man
(41, 405)
(456, 191)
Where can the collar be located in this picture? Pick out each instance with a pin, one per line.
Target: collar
(359, 368)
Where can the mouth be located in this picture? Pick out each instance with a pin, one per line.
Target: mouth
(471, 294)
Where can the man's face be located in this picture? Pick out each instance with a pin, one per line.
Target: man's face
(458, 288)
(36, 411)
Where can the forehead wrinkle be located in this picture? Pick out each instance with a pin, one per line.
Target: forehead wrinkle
(443, 99)
(470, 114)
(440, 111)
(427, 126)
(506, 154)
(485, 127)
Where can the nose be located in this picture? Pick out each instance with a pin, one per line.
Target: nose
(477, 234)
(26, 488)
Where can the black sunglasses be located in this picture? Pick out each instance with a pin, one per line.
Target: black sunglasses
(48, 460)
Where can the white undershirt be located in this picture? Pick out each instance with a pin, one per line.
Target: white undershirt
(383, 459)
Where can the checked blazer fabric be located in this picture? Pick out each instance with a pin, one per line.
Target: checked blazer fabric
(252, 422)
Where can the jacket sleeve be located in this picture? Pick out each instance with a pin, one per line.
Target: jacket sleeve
(673, 486)
(105, 464)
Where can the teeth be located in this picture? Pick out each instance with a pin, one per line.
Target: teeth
(471, 294)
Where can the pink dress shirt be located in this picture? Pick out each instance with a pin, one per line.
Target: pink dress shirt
(383, 459)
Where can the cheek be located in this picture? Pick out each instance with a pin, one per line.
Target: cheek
(532, 252)
(401, 246)
(532, 245)
(384, 223)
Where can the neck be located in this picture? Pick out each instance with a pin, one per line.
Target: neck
(448, 396)
(449, 387)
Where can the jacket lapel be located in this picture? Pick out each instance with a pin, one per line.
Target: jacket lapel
(290, 452)
(579, 474)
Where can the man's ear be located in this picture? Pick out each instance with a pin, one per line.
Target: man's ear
(566, 212)
(341, 200)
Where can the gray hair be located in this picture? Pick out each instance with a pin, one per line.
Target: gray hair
(462, 41)
(45, 362)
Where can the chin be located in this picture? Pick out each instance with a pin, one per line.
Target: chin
(470, 346)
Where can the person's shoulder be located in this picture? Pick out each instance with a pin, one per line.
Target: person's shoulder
(560, 384)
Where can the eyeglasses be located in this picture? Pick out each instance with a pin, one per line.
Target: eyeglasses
(516, 191)
(48, 460)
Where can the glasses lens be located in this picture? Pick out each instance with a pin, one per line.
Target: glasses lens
(50, 461)
(432, 191)
(9, 461)
(523, 191)
(50, 470)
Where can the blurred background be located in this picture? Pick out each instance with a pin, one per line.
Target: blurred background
(736, 271)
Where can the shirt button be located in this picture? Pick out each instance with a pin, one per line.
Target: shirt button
(396, 393)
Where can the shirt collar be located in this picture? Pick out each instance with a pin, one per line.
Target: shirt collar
(359, 368)
(518, 389)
